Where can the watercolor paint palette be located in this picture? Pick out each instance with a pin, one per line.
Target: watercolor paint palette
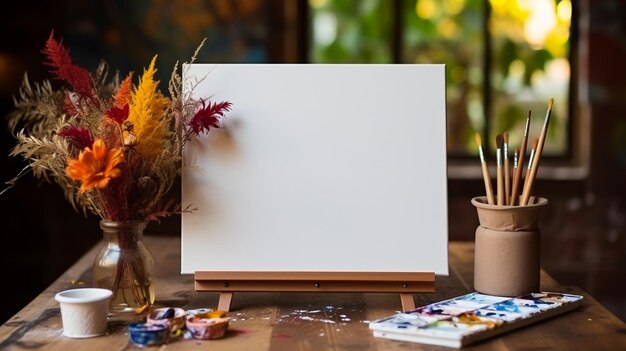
(469, 318)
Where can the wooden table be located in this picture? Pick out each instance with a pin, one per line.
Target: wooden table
(303, 321)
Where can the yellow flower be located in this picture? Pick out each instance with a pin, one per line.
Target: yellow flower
(147, 106)
(95, 166)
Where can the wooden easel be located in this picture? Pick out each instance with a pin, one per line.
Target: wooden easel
(227, 283)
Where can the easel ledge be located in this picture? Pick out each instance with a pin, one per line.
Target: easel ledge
(226, 283)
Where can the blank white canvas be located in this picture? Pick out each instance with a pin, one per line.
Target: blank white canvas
(322, 168)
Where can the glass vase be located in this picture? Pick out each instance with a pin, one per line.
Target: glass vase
(125, 266)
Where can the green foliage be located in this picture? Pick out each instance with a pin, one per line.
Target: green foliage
(362, 32)
(454, 37)
(509, 117)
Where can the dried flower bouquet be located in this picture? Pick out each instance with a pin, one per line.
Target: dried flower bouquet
(113, 146)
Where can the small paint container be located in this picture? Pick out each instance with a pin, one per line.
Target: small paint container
(207, 328)
(142, 334)
(171, 317)
(84, 311)
(205, 313)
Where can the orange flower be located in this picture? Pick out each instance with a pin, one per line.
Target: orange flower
(122, 98)
(95, 166)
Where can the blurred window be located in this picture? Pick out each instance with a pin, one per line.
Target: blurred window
(503, 58)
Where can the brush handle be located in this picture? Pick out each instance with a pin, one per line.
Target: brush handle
(532, 169)
(530, 178)
(517, 178)
(499, 179)
(488, 187)
(517, 170)
(528, 184)
(500, 185)
(507, 180)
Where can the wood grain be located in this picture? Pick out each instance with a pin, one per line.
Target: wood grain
(302, 321)
(403, 282)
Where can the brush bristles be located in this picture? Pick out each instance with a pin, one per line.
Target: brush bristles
(480, 148)
(505, 136)
(499, 141)
(478, 139)
(550, 103)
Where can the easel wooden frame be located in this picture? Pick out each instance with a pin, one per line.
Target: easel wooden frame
(227, 283)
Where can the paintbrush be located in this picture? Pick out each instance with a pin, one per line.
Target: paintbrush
(499, 172)
(531, 163)
(507, 169)
(486, 176)
(515, 166)
(517, 177)
(528, 183)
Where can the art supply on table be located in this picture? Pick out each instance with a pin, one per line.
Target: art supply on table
(472, 317)
(528, 183)
(517, 177)
(84, 311)
(531, 165)
(171, 317)
(507, 169)
(205, 313)
(499, 172)
(507, 248)
(507, 183)
(144, 334)
(167, 324)
(485, 170)
(207, 328)
(515, 168)
(397, 179)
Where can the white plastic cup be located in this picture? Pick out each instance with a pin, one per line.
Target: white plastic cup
(84, 311)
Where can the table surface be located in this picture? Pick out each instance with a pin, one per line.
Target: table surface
(303, 321)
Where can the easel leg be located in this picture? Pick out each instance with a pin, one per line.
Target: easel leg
(224, 302)
(408, 303)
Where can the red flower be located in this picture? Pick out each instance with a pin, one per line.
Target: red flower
(78, 137)
(62, 66)
(68, 105)
(209, 116)
(117, 114)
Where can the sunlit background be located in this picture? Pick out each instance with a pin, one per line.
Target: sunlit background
(503, 58)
